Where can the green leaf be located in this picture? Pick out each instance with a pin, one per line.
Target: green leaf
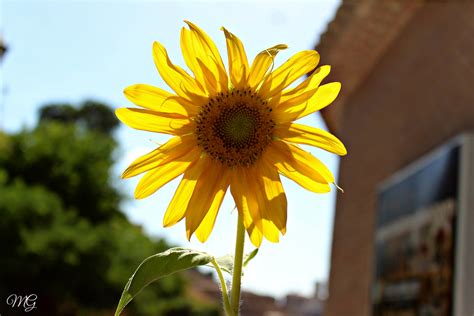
(250, 256)
(226, 263)
(158, 266)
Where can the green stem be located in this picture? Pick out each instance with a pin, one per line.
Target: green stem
(238, 261)
(225, 296)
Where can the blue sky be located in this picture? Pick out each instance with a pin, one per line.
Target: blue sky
(71, 51)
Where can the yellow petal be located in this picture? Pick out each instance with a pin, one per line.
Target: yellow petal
(255, 235)
(249, 193)
(207, 198)
(204, 48)
(304, 158)
(256, 188)
(270, 231)
(302, 134)
(311, 83)
(323, 96)
(295, 67)
(210, 81)
(178, 79)
(179, 203)
(261, 63)
(259, 207)
(299, 166)
(245, 204)
(276, 204)
(207, 224)
(171, 150)
(156, 99)
(205, 77)
(189, 55)
(301, 93)
(152, 121)
(279, 102)
(158, 177)
(238, 63)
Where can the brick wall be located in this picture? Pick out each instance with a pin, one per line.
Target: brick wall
(419, 94)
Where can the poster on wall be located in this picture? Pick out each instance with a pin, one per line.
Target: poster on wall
(415, 239)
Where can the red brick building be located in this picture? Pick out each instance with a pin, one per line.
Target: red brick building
(407, 69)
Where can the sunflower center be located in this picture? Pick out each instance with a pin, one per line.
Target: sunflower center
(235, 127)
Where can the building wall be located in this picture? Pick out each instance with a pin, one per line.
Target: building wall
(418, 95)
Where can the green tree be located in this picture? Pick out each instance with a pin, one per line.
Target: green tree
(91, 115)
(62, 234)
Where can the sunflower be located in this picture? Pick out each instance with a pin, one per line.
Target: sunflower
(231, 130)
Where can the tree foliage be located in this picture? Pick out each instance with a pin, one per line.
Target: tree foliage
(62, 234)
(90, 115)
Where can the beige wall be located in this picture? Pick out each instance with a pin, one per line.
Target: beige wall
(418, 95)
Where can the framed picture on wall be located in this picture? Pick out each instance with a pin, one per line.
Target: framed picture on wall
(421, 261)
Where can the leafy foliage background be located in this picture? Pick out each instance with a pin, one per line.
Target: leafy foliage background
(62, 234)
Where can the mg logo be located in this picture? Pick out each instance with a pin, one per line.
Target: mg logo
(26, 302)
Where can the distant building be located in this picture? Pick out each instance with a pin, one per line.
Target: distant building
(407, 72)
(205, 290)
(259, 305)
(291, 305)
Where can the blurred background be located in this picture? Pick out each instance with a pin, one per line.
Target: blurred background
(72, 233)
(395, 243)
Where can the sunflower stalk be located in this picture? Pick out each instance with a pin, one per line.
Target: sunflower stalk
(225, 296)
(238, 263)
